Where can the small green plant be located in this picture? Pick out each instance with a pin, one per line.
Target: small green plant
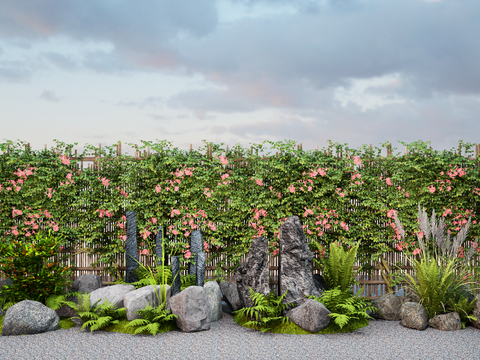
(337, 268)
(96, 316)
(154, 320)
(266, 314)
(188, 280)
(348, 312)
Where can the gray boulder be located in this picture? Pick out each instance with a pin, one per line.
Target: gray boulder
(230, 293)
(311, 316)
(446, 322)
(476, 312)
(114, 294)
(191, 307)
(388, 306)
(296, 263)
(414, 315)
(84, 284)
(29, 317)
(214, 297)
(254, 272)
(138, 299)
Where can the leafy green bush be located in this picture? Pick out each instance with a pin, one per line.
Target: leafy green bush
(337, 268)
(464, 308)
(34, 275)
(266, 314)
(348, 312)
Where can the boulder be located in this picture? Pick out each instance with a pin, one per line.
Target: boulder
(412, 297)
(296, 264)
(476, 312)
(191, 307)
(311, 316)
(388, 306)
(214, 297)
(230, 293)
(254, 272)
(114, 294)
(414, 315)
(446, 322)
(138, 299)
(29, 317)
(84, 284)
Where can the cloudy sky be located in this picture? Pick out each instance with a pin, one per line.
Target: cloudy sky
(353, 71)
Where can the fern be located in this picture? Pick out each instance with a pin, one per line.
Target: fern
(96, 316)
(162, 275)
(348, 312)
(337, 269)
(267, 312)
(464, 308)
(188, 280)
(154, 320)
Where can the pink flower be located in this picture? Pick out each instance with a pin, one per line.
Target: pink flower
(275, 252)
(292, 189)
(431, 188)
(188, 254)
(15, 232)
(259, 182)
(55, 227)
(145, 252)
(154, 220)
(223, 160)
(175, 232)
(65, 160)
(389, 181)
(158, 188)
(416, 251)
(357, 160)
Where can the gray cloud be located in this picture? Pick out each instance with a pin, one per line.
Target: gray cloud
(49, 96)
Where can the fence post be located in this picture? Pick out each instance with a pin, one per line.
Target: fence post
(131, 249)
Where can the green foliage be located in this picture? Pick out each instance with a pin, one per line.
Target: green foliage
(337, 268)
(96, 316)
(154, 320)
(267, 312)
(434, 284)
(348, 312)
(188, 280)
(336, 190)
(29, 264)
(463, 307)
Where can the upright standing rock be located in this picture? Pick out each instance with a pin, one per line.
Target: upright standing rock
(195, 248)
(254, 272)
(201, 260)
(176, 284)
(131, 247)
(158, 246)
(296, 263)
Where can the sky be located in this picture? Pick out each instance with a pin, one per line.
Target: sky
(240, 71)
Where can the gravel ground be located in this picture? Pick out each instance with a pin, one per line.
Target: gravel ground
(227, 340)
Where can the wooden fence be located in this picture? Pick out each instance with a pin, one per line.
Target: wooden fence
(374, 285)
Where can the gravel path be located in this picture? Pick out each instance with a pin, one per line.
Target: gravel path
(227, 340)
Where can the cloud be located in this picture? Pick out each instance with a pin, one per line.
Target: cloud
(49, 95)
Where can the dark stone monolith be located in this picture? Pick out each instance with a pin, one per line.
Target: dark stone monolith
(158, 246)
(254, 272)
(296, 264)
(196, 247)
(176, 275)
(201, 259)
(131, 249)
